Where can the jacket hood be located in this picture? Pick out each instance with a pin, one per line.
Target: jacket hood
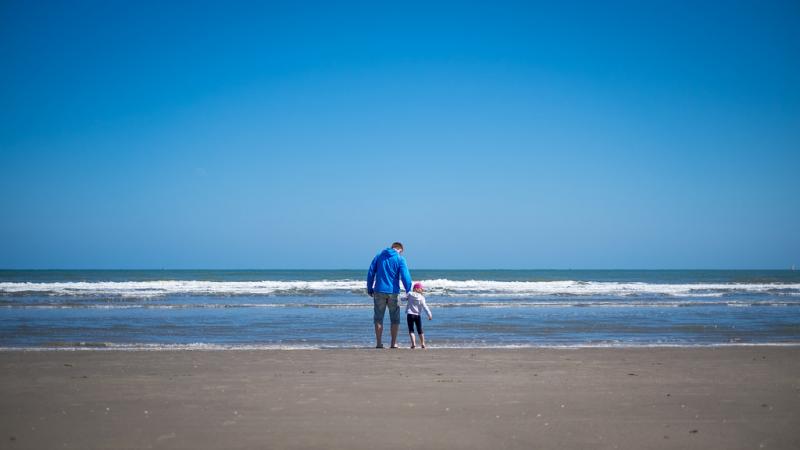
(388, 252)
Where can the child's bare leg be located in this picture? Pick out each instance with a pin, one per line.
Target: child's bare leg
(413, 340)
(422, 340)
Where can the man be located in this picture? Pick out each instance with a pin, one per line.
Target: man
(383, 285)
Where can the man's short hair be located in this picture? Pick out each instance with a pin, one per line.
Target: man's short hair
(397, 246)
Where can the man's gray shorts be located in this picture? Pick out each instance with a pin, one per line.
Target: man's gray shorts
(381, 301)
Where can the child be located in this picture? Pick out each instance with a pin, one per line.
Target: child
(416, 302)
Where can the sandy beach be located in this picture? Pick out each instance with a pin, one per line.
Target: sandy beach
(726, 398)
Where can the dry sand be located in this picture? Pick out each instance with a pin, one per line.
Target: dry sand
(723, 398)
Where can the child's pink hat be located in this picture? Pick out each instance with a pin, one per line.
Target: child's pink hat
(418, 286)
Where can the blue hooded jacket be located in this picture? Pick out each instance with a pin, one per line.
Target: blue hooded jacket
(386, 271)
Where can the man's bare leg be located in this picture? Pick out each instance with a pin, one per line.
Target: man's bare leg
(378, 334)
(394, 328)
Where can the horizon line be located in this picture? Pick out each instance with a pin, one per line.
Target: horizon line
(788, 269)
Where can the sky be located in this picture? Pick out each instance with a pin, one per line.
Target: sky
(507, 135)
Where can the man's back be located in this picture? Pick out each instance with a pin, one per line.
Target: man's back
(386, 271)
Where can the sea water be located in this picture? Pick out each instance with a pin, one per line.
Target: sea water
(246, 309)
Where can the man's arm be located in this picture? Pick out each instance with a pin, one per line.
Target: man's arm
(371, 275)
(405, 275)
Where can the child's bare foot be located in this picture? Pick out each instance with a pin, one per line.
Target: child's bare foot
(413, 346)
(423, 346)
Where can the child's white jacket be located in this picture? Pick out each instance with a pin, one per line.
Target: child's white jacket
(416, 303)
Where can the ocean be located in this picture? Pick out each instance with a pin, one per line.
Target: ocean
(317, 309)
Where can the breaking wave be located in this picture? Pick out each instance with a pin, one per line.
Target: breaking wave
(437, 287)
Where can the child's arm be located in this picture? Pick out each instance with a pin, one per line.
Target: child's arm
(427, 310)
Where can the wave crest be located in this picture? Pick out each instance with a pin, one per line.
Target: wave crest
(437, 287)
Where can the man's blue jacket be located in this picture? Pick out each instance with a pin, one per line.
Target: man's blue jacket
(385, 272)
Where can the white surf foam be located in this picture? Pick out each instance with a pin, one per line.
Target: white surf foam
(176, 287)
(438, 287)
(595, 288)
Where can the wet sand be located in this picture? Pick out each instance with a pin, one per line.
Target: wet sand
(721, 398)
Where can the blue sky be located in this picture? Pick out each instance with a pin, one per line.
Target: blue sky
(482, 135)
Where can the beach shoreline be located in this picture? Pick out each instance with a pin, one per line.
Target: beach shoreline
(708, 397)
